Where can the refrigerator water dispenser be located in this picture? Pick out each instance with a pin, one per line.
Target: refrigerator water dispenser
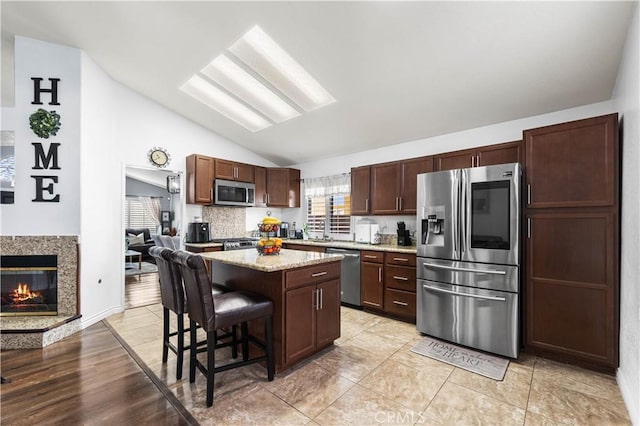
(433, 226)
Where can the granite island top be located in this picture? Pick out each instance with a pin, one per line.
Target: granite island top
(203, 245)
(287, 259)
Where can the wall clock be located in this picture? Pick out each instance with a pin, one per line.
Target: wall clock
(159, 157)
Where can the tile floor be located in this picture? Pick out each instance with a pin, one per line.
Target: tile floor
(370, 377)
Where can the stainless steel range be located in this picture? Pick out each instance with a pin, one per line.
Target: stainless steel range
(468, 260)
(240, 243)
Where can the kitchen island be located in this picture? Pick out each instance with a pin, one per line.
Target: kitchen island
(304, 288)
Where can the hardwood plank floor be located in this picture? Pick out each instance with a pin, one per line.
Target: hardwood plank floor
(141, 290)
(87, 378)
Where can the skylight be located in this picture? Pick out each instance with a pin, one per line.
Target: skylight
(256, 83)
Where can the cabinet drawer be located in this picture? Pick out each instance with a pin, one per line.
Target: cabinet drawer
(372, 256)
(400, 302)
(312, 274)
(400, 277)
(400, 259)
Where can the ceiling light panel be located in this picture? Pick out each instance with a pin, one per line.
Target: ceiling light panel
(271, 62)
(226, 105)
(232, 77)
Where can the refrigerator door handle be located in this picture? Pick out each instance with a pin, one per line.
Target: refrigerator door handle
(455, 293)
(459, 269)
(455, 216)
(464, 212)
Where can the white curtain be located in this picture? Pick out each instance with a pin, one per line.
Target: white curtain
(152, 207)
(327, 185)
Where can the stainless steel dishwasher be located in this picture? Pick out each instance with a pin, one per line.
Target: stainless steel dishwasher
(349, 276)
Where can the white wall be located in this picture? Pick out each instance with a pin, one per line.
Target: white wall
(35, 58)
(626, 99)
(101, 251)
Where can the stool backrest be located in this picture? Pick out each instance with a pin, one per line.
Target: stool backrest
(197, 287)
(171, 289)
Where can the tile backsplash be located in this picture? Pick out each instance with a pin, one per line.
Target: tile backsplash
(225, 222)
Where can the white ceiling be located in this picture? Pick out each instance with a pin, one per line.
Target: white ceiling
(400, 71)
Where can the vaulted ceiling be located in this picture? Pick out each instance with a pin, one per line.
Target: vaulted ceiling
(399, 71)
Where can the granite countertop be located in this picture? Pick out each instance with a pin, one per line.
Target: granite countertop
(287, 259)
(354, 246)
(203, 245)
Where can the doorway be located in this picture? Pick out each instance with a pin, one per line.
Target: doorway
(152, 205)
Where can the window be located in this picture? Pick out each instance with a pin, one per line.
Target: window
(137, 214)
(329, 204)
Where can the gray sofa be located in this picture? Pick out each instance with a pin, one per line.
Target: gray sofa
(142, 248)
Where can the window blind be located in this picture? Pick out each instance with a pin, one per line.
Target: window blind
(135, 215)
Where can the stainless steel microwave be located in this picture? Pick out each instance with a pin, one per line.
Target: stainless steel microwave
(231, 193)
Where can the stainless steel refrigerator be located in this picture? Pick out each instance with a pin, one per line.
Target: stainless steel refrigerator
(468, 265)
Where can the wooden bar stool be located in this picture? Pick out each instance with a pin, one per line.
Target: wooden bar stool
(173, 300)
(215, 311)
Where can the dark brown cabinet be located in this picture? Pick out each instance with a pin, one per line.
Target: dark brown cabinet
(312, 314)
(260, 178)
(571, 246)
(508, 152)
(231, 170)
(400, 285)
(303, 247)
(393, 185)
(200, 175)
(360, 187)
(371, 279)
(283, 187)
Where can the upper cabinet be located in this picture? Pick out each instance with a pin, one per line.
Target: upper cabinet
(283, 187)
(230, 170)
(260, 177)
(509, 152)
(360, 186)
(200, 175)
(572, 164)
(393, 185)
(275, 187)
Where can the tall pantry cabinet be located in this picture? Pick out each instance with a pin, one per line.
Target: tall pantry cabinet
(572, 241)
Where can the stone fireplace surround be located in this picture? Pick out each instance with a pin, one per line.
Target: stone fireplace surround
(34, 331)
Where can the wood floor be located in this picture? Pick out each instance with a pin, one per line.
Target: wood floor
(141, 290)
(88, 378)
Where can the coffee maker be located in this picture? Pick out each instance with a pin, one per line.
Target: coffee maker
(404, 236)
(284, 230)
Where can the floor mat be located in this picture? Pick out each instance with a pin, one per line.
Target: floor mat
(481, 363)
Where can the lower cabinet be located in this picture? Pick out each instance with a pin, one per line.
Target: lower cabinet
(312, 319)
(400, 285)
(303, 247)
(371, 276)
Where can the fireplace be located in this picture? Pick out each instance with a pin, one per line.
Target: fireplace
(29, 285)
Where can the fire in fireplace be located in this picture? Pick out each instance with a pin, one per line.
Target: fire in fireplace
(29, 285)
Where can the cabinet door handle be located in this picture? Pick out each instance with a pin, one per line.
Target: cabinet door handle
(368, 256)
(316, 292)
(267, 198)
(321, 297)
(400, 203)
(379, 274)
(264, 198)
(319, 274)
(400, 259)
(211, 194)
(366, 205)
(529, 193)
(478, 160)
(472, 161)
(529, 227)
(395, 277)
(397, 302)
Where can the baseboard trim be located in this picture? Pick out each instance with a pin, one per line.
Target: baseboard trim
(89, 321)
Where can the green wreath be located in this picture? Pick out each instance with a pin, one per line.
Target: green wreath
(44, 123)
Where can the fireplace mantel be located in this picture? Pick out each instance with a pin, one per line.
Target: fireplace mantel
(26, 332)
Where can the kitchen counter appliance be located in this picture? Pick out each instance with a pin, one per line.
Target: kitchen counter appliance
(198, 232)
(468, 257)
(349, 276)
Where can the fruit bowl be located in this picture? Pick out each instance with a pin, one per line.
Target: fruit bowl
(268, 227)
(269, 246)
(268, 250)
